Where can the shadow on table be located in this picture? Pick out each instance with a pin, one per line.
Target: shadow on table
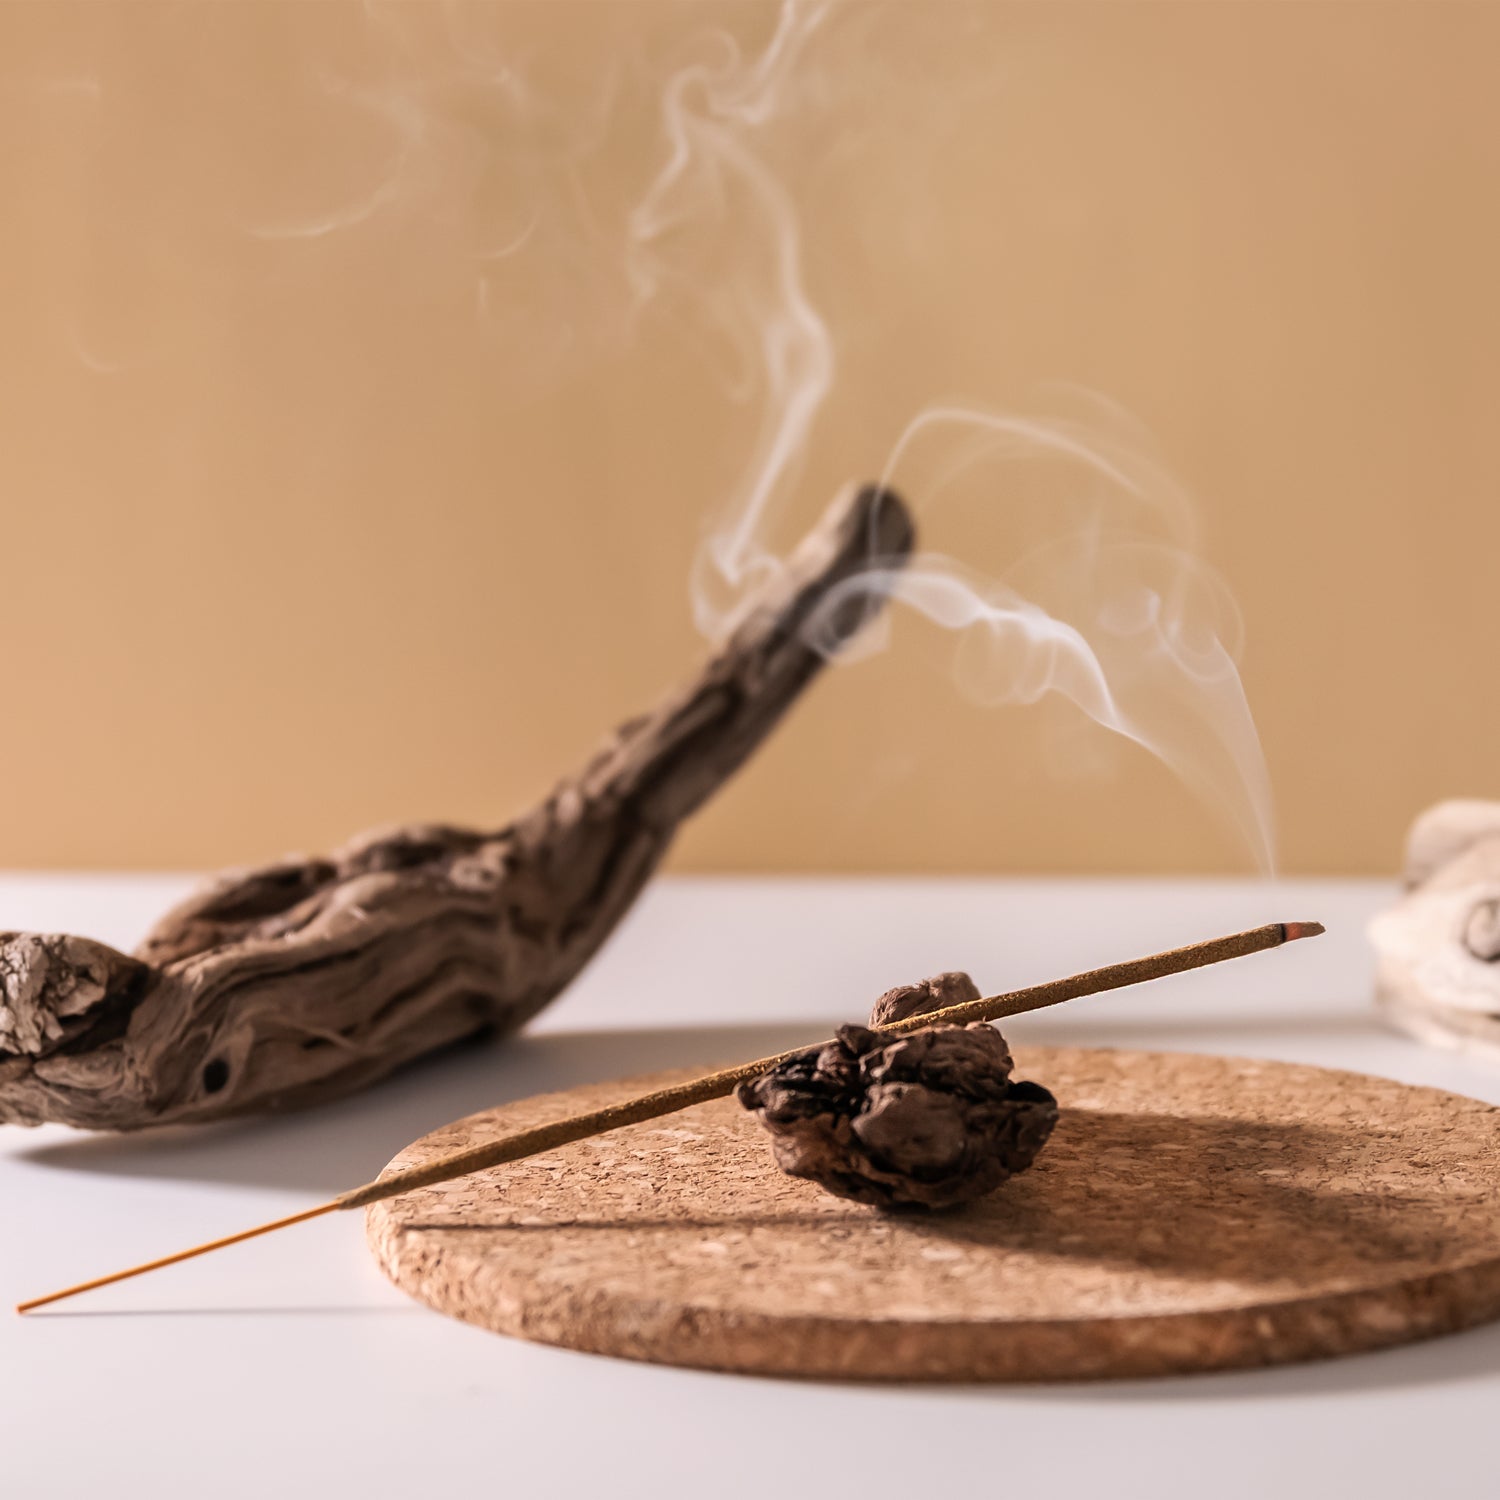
(336, 1146)
(1453, 1359)
(339, 1145)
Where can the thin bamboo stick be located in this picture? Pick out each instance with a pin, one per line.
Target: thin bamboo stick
(523, 1143)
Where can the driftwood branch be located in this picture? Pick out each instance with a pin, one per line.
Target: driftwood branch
(310, 978)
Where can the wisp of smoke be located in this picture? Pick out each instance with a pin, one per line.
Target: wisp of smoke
(1111, 608)
(1133, 628)
(709, 114)
(1130, 628)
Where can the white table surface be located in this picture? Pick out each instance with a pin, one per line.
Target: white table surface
(288, 1367)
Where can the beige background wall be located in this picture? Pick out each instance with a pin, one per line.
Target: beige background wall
(319, 511)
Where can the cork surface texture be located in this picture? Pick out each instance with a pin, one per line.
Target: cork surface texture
(1190, 1213)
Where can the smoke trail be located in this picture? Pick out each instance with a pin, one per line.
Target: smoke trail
(1133, 627)
(455, 126)
(709, 115)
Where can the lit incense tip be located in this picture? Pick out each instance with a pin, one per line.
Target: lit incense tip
(1291, 931)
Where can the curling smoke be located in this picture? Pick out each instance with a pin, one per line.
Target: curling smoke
(710, 114)
(1106, 605)
(1119, 616)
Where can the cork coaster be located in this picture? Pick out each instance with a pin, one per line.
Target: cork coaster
(1189, 1213)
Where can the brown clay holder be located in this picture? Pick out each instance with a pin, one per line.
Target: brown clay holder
(716, 1085)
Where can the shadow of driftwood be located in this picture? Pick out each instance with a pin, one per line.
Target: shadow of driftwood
(331, 1147)
(1176, 1195)
(339, 1145)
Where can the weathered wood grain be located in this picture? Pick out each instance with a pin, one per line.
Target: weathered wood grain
(310, 978)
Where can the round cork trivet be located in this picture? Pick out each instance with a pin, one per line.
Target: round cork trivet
(1189, 1213)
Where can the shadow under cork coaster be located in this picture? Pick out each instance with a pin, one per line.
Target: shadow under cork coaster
(1189, 1213)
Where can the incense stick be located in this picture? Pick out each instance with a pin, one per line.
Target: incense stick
(523, 1143)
